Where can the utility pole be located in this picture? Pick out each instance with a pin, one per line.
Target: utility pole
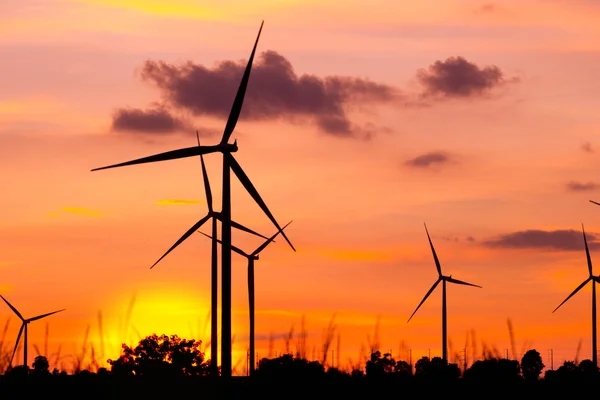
(506, 353)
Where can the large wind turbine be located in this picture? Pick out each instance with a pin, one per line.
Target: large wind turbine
(214, 215)
(24, 328)
(251, 258)
(441, 278)
(593, 279)
(229, 162)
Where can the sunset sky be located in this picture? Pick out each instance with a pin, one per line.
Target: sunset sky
(362, 121)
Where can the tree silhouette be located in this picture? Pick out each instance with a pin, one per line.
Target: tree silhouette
(532, 365)
(161, 356)
(378, 366)
(41, 366)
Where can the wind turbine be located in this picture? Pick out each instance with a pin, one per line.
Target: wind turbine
(214, 271)
(229, 162)
(594, 280)
(441, 278)
(251, 258)
(24, 328)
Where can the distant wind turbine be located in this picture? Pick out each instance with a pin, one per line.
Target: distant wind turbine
(594, 280)
(24, 328)
(443, 279)
(251, 258)
(229, 162)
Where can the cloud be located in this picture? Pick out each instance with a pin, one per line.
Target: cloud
(170, 202)
(486, 8)
(429, 160)
(275, 91)
(582, 186)
(76, 210)
(587, 147)
(561, 239)
(156, 120)
(456, 77)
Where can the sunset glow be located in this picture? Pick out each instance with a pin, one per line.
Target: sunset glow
(362, 122)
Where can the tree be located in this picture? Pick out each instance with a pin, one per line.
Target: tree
(379, 366)
(41, 366)
(160, 356)
(532, 365)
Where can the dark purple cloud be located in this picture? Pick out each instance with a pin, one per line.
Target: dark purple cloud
(429, 160)
(457, 77)
(574, 186)
(151, 120)
(561, 239)
(274, 91)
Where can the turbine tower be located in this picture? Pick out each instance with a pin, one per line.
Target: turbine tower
(24, 328)
(229, 163)
(214, 216)
(251, 258)
(441, 278)
(594, 280)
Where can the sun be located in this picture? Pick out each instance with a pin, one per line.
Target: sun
(168, 309)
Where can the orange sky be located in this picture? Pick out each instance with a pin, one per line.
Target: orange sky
(478, 157)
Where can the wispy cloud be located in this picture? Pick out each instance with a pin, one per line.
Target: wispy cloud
(560, 239)
(354, 255)
(76, 210)
(574, 186)
(427, 160)
(172, 202)
(587, 147)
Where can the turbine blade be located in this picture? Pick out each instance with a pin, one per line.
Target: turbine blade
(435, 257)
(425, 298)
(574, 291)
(194, 228)
(17, 343)
(169, 155)
(238, 102)
(241, 227)
(241, 175)
(461, 282)
(44, 315)
(205, 177)
(587, 252)
(269, 240)
(592, 201)
(13, 308)
(236, 249)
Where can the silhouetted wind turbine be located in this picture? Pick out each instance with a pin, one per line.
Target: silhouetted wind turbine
(443, 279)
(24, 328)
(229, 162)
(214, 216)
(593, 279)
(251, 258)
